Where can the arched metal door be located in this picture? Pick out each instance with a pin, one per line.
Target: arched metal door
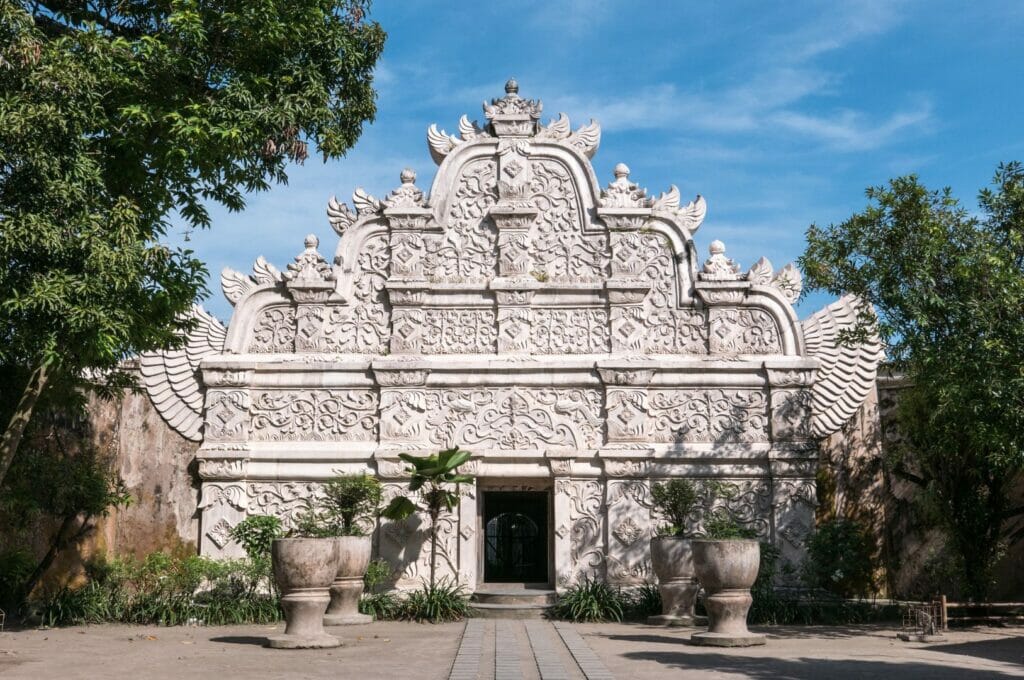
(515, 537)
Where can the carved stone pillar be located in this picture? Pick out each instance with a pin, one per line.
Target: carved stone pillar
(403, 408)
(791, 404)
(626, 288)
(626, 403)
(514, 315)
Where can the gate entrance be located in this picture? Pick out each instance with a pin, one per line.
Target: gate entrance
(515, 536)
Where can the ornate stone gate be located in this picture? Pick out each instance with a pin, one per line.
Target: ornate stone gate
(568, 335)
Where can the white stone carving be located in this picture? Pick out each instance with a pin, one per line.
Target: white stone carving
(744, 331)
(314, 415)
(718, 267)
(846, 374)
(709, 415)
(170, 376)
(790, 282)
(339, 216)
(553, 328)
(515, 418)
(621, 193)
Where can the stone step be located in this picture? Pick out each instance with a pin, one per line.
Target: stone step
(532, 596)
(482, 610)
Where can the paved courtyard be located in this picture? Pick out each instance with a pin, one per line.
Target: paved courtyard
(504, 649)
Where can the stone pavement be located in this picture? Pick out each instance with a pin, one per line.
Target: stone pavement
(502, 650)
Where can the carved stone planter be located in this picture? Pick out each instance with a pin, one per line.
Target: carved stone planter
(348, 582)
(303, 570)
(727, 569)
(672, 558)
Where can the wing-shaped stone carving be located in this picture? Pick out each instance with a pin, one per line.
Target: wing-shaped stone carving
(235, 284)
(171, 376)
(846, 373)
(587, 139)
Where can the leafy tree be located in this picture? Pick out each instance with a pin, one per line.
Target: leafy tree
(117, 116)
(432, 477)
(948, 288)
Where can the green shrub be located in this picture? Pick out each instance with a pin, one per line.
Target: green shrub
(382, 606)
(720, 526)
(839, 559)
(676, 500)
(15, 568)
(255, 533)
(165, 590)
(350, 499)
(445, 601)
(639, 603)
(589, 601)
(378, 573)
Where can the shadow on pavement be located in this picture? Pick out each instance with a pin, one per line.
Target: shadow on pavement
(812, 668)
(259, 641)
(1007, 649)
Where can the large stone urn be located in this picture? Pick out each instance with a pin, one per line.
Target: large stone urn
(727, 569)
(304, 569)
(672, 559)
(348, 582)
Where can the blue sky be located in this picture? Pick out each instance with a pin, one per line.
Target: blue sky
(779, 114)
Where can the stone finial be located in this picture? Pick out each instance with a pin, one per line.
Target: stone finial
(309, 265)
(718, 267)
(513, 116)
(408, 195)
(621, 193)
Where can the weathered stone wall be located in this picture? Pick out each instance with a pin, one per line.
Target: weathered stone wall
(852, 483)
(158, 467)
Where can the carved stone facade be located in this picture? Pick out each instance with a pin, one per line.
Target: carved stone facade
(568, 335)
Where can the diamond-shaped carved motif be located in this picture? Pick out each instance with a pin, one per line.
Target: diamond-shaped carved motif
(562, 531)
(513, 167)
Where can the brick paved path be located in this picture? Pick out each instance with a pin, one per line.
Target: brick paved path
(525, 650)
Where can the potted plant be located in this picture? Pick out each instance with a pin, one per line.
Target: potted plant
(432, 480)
(304, 564)
(726, 564)
(672, 554)
(350, 501)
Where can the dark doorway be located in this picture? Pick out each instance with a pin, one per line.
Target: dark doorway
(515, 536)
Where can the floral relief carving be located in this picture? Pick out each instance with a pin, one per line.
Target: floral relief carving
(559, 248)
(791, 413)
(314, 415)
(744, 331)
(444, 331)
(467, 251)
(628, 531)
(227, 415)
(274, 331)
(283, 500)
(586, 526)
(657, 325)
(708, 415)
(569, 331)
(516, 418)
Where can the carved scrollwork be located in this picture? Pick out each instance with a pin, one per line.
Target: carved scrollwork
(516, 418)
(744, 331)
(709, 415)
(274, 331)
(314, 415)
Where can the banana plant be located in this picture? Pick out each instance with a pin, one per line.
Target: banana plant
(432, 477)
